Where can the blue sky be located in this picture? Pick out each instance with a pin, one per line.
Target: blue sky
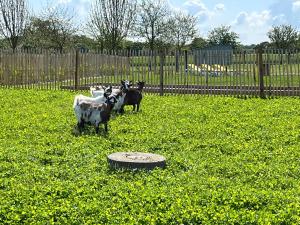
(251, 19)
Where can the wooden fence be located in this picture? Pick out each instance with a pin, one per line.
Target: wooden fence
(243, 73)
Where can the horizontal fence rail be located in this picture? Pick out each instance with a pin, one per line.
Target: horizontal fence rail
(261, 72)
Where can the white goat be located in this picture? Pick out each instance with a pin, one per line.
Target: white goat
(81, 98)
(96, 100)
(99, 91)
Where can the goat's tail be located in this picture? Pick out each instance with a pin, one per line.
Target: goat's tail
(92, 89)
(76, 101)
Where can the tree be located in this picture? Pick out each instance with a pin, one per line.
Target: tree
(261, 45)
(152, 23)
(111, 20)
(13, 17)
(84, 42)
(198, 43)
(223, 36)
(182, 29)
(37, 33)
(52, 29)
(283, 36)
(3, 43)
(134, 45)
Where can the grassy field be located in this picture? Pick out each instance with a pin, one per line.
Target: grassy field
(229, 161)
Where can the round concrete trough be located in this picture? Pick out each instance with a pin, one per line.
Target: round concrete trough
(136, 160)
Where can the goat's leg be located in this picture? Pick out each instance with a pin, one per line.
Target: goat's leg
(80, 125)
(133, 109)
(105, 127)
(137, 107)
(121, 111)
(97, 128)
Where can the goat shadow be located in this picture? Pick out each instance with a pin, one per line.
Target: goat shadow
(88, 131)
(128, 111)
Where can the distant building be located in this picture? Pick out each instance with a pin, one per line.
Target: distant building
(219, 54)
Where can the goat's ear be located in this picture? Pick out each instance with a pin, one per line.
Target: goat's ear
(122, 81)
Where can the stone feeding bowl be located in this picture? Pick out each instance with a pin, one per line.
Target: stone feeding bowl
(136, 160)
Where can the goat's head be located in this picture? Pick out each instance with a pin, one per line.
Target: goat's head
(125, 85)
(140, 84)
(108, 90)
(111, 100)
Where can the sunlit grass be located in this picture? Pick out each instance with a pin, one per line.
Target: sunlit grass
(228, 161)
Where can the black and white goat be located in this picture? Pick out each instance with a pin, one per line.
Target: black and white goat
(93, 113)
(134, 97)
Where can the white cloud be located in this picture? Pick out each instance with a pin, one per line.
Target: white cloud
(296, 5)
(253, 26)
(241, 18)
(199, 9)
(196, 3)
(220, 7)
(196, 6)
(279, 19)
(64, 1)
(253, 19)
(287, 11)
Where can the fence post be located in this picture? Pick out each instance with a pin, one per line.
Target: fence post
(261, 73)
(177, 54)
(76, 69)
(161, 72)
(186, 68)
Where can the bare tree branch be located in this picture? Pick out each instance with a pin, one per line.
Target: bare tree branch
(111, 21)
(153, 21)
(53, 28)
(13, 18)
(182, 29)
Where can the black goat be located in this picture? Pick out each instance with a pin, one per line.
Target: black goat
(134, 97)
